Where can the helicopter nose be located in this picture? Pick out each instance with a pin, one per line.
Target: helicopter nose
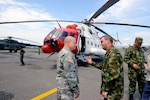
(47, 49)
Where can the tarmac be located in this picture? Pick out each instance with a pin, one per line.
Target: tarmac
(36, 80)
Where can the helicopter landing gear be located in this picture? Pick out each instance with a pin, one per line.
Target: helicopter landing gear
(10, 50)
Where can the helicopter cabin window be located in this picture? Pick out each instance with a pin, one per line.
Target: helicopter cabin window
(91, 43)
(90, 31)
(64, 34)
(95, 45)
(87, 42)
(72, 34)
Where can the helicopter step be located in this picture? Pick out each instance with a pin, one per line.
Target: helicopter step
(81, 57)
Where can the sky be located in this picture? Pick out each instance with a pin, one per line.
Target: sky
(124, 11)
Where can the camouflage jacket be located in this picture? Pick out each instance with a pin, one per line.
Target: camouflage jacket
(67, 71)
(22, 52)
(111, 69)
(134, 55)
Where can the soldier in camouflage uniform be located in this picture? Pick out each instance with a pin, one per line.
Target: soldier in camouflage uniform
(67, 72)
(134, 57)
(22, 56)
(112, 86)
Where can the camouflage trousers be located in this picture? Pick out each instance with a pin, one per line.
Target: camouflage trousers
(133, 78)
(116, 89)
(116, 94)
(64, 94)
(21, 60)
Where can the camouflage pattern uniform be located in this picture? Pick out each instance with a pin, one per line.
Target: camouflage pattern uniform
(67, 75)
(112, 74)
(21, 56)
(135, 55)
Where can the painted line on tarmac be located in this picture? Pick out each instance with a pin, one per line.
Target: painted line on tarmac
(45, 94)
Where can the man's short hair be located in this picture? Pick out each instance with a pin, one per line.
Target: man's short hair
(107, 37)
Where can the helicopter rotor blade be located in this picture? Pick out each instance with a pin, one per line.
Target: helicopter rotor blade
(108, 4)
(101, 10)
(10, 37)
(123, 24)
(33, 21)
(103, 32)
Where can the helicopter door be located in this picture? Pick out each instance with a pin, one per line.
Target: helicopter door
(82, 43)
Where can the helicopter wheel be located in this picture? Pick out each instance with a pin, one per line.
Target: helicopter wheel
(15, 50)
(10, 50)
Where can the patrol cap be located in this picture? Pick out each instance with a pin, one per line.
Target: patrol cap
(139, 39)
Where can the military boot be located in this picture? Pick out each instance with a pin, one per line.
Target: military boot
(131, 97)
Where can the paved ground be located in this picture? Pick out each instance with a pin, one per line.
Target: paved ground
(38, 76)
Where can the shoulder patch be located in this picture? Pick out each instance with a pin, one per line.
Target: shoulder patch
(70, 60)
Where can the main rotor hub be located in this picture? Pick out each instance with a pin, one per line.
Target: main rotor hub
(88, 22)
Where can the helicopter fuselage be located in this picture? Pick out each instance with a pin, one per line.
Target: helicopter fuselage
(11, 45)
(87, 40)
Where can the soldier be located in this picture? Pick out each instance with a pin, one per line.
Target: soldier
(67, 72)
(134, 57)
(112, 70)
(22, 56)
(146, 91)
(39, 50)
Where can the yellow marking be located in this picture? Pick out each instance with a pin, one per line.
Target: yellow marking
(43, 95)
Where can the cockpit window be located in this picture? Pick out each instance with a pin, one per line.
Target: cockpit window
(64, 34)
(11, 41)
(50, 34)
(56, 33)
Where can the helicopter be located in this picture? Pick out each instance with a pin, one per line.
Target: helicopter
(85, 32)
(14, 45)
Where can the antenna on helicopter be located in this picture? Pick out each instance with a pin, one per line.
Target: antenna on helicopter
(58, 23)
(118, 38)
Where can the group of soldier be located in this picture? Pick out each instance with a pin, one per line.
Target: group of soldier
(112, 86)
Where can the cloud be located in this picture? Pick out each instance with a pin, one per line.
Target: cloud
(14, 11)
(11, 10)
(125, 11)
(13, 2)
(128, 11)
(143, 33)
